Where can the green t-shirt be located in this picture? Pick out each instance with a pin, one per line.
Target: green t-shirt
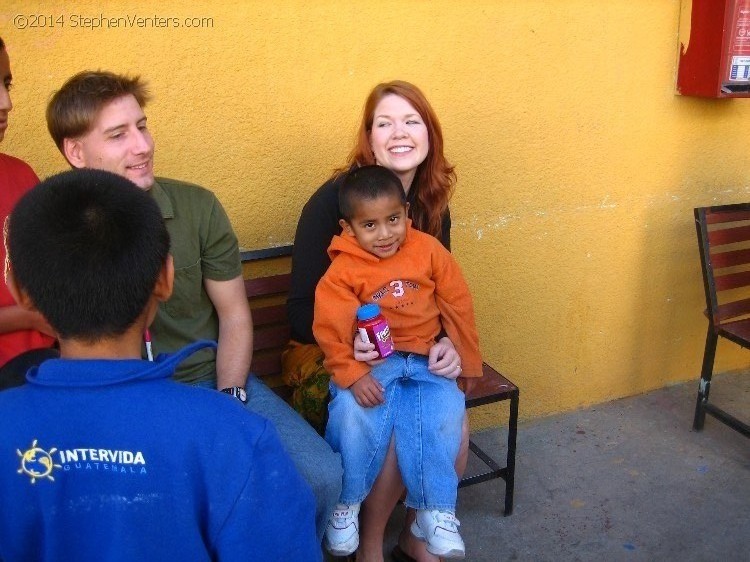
(203, 246)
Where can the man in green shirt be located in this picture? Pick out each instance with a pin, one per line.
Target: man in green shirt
(110, 133)
(97, 121)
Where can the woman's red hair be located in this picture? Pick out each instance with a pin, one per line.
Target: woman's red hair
(434, 181)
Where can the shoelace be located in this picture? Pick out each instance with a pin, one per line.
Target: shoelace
(340, 516)
(448, 521)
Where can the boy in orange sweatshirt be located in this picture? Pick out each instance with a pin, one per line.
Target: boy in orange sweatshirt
(380, 258)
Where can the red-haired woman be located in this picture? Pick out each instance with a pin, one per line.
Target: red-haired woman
(400, 131)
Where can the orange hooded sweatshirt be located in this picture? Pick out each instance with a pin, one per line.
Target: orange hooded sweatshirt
(419, 289)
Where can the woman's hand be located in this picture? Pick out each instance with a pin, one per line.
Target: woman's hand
(367, 391)
(443, 360)
(366, 352)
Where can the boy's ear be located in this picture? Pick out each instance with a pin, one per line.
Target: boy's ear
(346, 227)
(165, 281)
(406, 206)
(17, 292)
(73, 151)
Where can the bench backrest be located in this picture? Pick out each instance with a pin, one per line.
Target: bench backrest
(267, 297)
(724, 243)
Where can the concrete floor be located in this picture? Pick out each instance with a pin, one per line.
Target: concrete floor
(627, 480)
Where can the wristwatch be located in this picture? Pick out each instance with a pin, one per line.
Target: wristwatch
(238, 392)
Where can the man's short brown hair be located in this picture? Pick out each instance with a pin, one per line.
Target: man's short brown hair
(73, 108)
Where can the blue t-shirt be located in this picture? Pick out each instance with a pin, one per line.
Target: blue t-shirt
(113, 460)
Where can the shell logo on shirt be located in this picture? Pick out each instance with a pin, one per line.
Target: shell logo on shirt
(37, 463)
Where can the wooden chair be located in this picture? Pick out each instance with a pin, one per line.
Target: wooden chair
(271, 334)
(724, 243)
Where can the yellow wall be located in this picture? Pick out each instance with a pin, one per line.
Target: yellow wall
(578, 165)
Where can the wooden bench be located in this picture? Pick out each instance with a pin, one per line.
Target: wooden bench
(267, 296)
(724, 244)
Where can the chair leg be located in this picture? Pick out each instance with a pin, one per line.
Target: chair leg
(510, 471)
(704, 386)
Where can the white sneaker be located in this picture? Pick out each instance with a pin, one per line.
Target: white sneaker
(439, 529)
(342, 531)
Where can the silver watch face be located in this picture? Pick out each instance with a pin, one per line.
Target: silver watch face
(238, 392)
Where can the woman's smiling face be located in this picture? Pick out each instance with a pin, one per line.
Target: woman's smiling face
(399, 138)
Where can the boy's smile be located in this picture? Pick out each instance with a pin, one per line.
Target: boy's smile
(379, 225)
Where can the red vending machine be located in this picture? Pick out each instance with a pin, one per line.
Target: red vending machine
(714, 49)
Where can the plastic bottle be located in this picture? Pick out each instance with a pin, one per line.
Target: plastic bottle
(373, 328)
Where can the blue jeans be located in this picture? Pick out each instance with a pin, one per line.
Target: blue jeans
(423, 412)
(314, 459)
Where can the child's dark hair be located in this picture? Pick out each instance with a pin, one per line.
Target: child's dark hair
(368, 182)
(87, 246)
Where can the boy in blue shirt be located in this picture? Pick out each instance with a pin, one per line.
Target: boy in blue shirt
(95, 462)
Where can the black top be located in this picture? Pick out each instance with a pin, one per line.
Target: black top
(317, 225)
